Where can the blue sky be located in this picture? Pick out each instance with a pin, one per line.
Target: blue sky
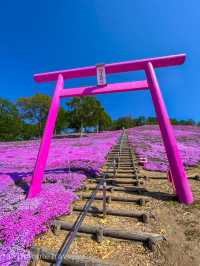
(39, 36)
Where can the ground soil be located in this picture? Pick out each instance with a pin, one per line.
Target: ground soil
(178, 223)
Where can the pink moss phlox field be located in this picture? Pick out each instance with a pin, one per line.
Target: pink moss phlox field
(69, 163)
(147, 142)
(26, 218)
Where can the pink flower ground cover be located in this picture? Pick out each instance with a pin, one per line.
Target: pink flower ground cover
(147, 142)
(69, 163)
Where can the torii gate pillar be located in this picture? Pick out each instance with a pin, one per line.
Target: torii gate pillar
(176, 165)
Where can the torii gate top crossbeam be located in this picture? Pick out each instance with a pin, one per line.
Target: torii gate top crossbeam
(164, 61)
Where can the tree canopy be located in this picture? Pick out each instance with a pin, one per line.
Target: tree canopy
(10, 122)
(34, 110)
(26, 118)
(87, 112)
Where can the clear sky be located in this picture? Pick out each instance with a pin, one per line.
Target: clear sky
(44, 35)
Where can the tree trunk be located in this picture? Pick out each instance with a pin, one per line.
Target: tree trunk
(81, 133)
(97, 128)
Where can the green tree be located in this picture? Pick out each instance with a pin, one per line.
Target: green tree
(34, 111)
(140, 121)
(104, 121)
(10, 122)
(29, 131)
(174, 121)
(187, 122)
(190, 122)
(151, 120)
(87, 112)
(76, 113)
(124, 122)
(62, 120)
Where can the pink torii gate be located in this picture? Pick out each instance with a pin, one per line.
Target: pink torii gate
(178, 174)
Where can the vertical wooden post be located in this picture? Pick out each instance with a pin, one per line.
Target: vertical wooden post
(46, 140)
(104, 197)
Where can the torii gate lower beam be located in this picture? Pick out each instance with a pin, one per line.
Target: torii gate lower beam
(176, 166)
